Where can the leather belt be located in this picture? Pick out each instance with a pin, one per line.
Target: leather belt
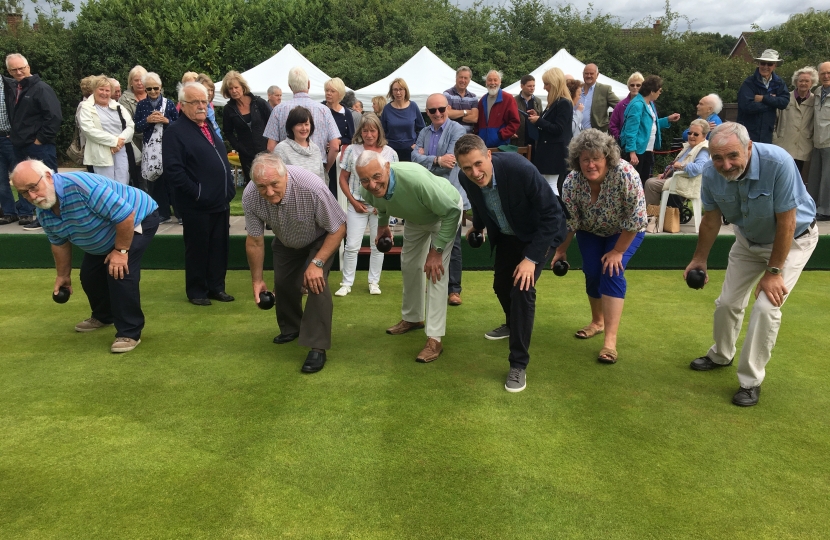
(807, 230)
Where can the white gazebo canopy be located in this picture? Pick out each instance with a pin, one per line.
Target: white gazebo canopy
(570, 65)
(274, 71)
(424, 74)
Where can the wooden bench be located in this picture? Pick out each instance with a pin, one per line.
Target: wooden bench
(366, 250)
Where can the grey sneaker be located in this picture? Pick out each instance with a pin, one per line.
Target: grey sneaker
(501, 332)
(516, 381)
(124, 344)
(90, 325)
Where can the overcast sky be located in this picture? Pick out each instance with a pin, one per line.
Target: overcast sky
(724, 16)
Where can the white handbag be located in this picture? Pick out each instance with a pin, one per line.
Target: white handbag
(151, 166)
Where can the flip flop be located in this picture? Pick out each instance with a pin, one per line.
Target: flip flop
(588, 332)
(607, 356)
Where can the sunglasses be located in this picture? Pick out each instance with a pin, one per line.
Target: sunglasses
(632, 85)
(152, 88)
(691, 133)
(767, 64)
(437, 109)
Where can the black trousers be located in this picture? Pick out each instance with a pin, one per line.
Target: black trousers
(118, 301)
(454, 284)
(206, 237)
(645, 166)
(165, 196)
(519, 306)
(313, 324)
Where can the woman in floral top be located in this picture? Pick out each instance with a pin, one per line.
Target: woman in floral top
(604, 198)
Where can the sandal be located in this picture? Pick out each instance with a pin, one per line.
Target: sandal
(588, 332)
(607, 356)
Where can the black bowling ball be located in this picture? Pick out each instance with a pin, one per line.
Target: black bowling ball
(266, 300)
(695, 279)
(385, 244)
(475, 239)
(62, 296)
(560, 268)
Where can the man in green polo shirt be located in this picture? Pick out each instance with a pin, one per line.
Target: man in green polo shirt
(432, 209)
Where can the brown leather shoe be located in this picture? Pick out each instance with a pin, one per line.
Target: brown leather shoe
(403, 327)
(432, 351)
(454, 299)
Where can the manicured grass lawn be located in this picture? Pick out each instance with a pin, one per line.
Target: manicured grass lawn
(208, 430)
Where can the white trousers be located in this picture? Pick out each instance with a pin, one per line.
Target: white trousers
(552, 179)
(416, 243)
(355, 228)
(119, 170)
(747, 264)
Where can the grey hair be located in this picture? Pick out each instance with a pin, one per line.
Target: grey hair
(114, 82)
(717, 102)
(13, 56)
(810, 70)
(369, 156)
(593, 141)
(702, 124)
(273, 89)
(463, 69)
(728, 129)
(298, 80)
(36, 165)
(192, 84)
(497, 72)
(151, 76)
(265, 161)
(348, 99)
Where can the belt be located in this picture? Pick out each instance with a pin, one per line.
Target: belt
(807, 230)
(5, 133)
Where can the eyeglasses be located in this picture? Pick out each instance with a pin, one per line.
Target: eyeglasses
(30, 190)
(20, 69)
(152, 88)
(437, 109)
(767, 64)
(691, 133)
(201, 102)
(632, 85)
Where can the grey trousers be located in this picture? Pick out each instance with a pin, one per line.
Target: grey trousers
(818, 181)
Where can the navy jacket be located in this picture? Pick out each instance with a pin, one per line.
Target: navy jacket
(759, 117)
(198, 170)
(35, 113)
(532, 210)
(555, 132)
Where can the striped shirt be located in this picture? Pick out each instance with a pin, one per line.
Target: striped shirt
(325, 128)
(461, 103)
(306, 212)
(91, 206)
(5, 124)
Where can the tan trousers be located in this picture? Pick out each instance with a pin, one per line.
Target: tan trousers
(747, 263)
(417, 290)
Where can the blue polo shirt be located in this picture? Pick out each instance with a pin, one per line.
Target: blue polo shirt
(771, 185)
(91, 206)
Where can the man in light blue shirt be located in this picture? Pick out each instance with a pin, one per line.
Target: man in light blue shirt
(757, 188)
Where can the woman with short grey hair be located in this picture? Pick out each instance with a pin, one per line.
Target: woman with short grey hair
(794, 130)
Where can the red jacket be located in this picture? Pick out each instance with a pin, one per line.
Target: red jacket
(502, 123)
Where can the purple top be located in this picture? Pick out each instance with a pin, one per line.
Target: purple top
(618, 117)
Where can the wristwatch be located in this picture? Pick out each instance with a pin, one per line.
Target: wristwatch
(465, 112)
(124, 251)
(773, 270)
(318, 263)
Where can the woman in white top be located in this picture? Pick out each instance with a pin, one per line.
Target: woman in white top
(298, 149)
(369, 136)
(107, 128)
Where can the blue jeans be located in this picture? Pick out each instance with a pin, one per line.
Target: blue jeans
(7, 163)
(45, 153)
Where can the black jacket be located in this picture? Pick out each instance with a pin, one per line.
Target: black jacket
(759, 116)
(35, 113)
(555, 132)
(532, 210)
(248, 141)
(198, 170)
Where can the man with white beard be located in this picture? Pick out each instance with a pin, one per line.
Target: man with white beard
(498, 115)
(112, 223)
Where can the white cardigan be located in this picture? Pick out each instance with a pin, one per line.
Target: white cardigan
(98, 142)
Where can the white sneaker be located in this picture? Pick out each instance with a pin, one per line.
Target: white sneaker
(343, 291)
(374, 289)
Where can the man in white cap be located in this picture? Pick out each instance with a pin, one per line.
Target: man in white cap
(760, 96)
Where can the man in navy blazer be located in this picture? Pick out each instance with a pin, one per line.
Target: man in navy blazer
(524, 220)
(434, 150)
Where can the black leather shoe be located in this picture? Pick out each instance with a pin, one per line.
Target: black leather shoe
(747, 397)
(200, 301)
(286, 338)
(704, 363)
(222, 296)
(314, 362)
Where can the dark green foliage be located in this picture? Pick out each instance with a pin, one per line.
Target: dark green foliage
(804, 40)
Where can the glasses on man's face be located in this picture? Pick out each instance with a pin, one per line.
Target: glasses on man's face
(766, 64)
(202, 102)
(152, 88)
(18, 70)
(31, 189)
(437, 109)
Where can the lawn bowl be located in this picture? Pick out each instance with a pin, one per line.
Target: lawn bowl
(475, 239)
(385, 244)
(695, 279)
(560, 268)
(266, 300)
(62, 295)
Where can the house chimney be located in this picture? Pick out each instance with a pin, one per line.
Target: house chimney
(13, 21)
(35, 26)
(656, 25)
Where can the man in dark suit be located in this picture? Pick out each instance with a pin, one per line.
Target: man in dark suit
(524, 220)
(597, 98)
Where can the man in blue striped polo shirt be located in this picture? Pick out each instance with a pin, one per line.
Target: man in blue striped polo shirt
(112, 223)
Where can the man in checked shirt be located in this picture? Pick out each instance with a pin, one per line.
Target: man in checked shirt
(308, 224)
